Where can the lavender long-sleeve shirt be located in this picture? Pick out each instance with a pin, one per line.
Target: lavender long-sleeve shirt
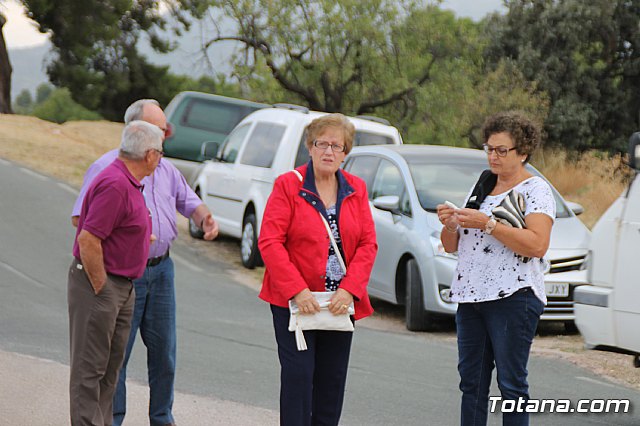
(165, 191)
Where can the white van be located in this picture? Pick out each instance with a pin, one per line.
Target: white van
(237, 180)
(608, 313)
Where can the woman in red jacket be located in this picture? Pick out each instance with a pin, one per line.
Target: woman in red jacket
(299, 259)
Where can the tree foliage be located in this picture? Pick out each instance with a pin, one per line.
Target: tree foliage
(584, 55)
(345, 55)
(406, 60)
(43, 91)
(95, 51)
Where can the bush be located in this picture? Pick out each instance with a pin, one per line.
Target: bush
(60, 107)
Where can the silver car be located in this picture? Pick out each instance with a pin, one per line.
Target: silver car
(405, 184)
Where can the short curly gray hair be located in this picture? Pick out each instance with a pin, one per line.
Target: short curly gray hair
(138, 137)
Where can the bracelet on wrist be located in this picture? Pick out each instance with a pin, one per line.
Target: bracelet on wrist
(454, 230)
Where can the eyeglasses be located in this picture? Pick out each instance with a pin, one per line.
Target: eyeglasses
(168, 131)
(501, 151)
(160, 153)
(323, 145)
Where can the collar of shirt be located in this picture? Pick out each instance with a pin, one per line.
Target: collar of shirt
(309, 188)
(120, 164)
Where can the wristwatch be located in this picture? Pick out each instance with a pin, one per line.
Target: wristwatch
(490, 226)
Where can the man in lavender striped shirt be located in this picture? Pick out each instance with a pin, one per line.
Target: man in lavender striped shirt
(165, 191)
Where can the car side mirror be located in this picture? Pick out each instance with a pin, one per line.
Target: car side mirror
(209, 150)
(388, 203)
(576, 208)
(634, 151)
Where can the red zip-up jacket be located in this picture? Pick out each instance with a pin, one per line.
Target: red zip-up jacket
(295, 246)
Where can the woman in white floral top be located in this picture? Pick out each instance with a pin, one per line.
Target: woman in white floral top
(499, 280)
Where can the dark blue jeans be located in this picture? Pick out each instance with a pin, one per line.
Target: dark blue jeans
(155, 316)
(312, 382)
(497, 333)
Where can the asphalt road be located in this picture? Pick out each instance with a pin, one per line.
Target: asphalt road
(226, 348)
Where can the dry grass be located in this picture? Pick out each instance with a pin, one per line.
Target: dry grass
(593, 181)
(62, 151)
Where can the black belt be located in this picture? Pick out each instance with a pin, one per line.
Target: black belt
(155, 260)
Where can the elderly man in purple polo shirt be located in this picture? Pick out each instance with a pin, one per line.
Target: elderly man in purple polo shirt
(155, 308)
(110, 250)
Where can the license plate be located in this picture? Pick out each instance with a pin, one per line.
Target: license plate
(557, 289)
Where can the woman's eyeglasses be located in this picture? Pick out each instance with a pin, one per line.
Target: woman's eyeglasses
(323, 145)
(501, 151)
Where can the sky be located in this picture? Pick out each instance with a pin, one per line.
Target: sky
(20, 31)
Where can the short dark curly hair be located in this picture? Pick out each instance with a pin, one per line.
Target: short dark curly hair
(525, 133)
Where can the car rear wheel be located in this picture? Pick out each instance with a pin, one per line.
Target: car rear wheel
(194, 229)
(416, 317)
(249, 243)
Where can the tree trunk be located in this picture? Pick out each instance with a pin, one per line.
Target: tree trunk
(5, 73)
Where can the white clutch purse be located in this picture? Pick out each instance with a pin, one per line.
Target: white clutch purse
(323, 320)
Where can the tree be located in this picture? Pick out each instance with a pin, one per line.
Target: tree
(95, 51)
(346, 55)
(452, 110)
(585, 55)
(43, 91)
(24, 102)
(5, 73)
(410, 62)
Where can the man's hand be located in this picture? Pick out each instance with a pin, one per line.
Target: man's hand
(210, 227)
(204, 219)
(92, 260)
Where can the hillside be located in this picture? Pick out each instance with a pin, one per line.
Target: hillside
(62, 151)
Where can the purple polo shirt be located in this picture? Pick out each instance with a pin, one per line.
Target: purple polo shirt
(114, 211)
(165, 184)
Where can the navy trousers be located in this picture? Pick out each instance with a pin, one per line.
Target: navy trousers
(497, 333)
(312, 382)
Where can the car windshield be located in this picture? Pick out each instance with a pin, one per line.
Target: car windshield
(436, 183)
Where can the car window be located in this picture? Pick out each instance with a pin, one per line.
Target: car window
(360, 139)
(436, 183)
(388, 180)
(212, 116)
(302, 157)
(405, 204)
(262, 145)
(366, 138)
(365, 167)
(232, 144)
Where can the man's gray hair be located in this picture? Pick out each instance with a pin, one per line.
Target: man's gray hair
(136, 109)
(138, 137)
